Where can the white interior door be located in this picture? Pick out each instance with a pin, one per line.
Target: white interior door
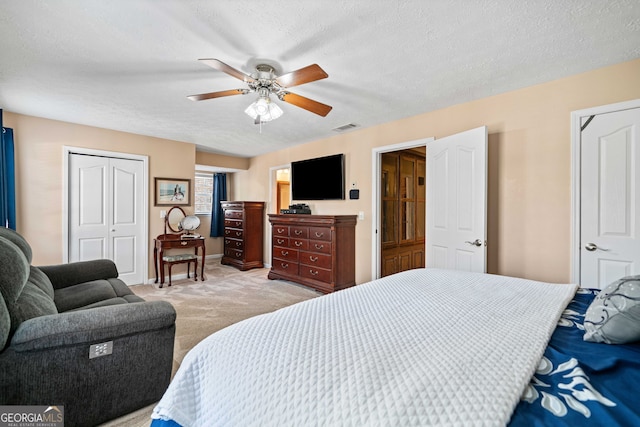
(456, 201)
(610, 198)
(106, 213)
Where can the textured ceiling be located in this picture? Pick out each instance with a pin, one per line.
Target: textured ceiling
(130, 64)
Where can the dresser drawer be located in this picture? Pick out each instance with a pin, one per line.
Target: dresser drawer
(315, 259)
(315, 273)
(233, 244)
(320, 233)
(233, 223)
(320, 246)
(233, 214)
(280, 241)
(233, 253)
(230, 232)
(178, 243)
(284, 266)
(285, 254)
(280, 230)
(301, 232)
(302, 244)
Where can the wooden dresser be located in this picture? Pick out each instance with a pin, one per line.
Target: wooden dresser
(318, 251)
(243, 234)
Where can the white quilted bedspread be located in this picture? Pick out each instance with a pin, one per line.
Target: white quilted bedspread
(423, 347)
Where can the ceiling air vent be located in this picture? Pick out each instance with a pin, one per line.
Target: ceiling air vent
(346, 127)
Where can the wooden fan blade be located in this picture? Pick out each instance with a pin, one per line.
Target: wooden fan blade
(219, 94)
(221, 66)
(306, 103)
(302, 76)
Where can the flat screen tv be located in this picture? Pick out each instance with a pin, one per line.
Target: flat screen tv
(321, 178)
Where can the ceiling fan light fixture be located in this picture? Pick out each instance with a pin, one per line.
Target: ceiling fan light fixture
(265, 109)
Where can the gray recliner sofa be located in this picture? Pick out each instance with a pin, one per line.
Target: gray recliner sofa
(49, 319)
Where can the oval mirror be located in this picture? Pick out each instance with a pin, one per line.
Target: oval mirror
(173, 218)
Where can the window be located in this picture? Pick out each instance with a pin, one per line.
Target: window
(203, 193)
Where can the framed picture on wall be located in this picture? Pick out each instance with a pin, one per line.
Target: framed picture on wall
(172, 191)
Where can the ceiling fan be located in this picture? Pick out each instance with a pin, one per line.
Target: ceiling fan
(264, 83)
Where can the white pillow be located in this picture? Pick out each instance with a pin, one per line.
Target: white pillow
(614, 315)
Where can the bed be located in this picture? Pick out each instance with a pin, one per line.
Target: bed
(422, 347)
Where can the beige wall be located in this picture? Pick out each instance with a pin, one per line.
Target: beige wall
(529, 170)
(39, 160)
(210, 159)
(529, 167)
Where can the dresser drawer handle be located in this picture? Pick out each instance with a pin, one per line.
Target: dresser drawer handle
(238, 233)
(319, 234)
(280, 241)
(227, 232)
(284, 253)
(313, 258)
(319, 246)
(238, 254)
(298, 232)
(314, 272)
(281, 230)
(238, 244)
(284, 265)
(184, 243)
(297, 243)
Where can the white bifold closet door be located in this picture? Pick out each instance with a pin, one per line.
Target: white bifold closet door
(106, 213)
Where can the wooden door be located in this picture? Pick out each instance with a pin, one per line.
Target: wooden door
(403, 217)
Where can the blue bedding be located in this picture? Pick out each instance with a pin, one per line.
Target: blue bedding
(578, 382)
(582, 383)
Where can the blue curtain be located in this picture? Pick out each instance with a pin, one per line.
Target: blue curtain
(219, 194)
(7, 179)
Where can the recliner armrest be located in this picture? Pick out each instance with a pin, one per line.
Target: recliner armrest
(64, 275)
(92, 325)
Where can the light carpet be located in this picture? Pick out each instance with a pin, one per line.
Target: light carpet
(227, 296)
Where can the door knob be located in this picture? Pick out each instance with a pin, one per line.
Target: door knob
(592, 247)
(476, 242)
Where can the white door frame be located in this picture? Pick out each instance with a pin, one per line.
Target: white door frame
(66, 151)
(576, 124)
(376, 157)
(272, 201)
